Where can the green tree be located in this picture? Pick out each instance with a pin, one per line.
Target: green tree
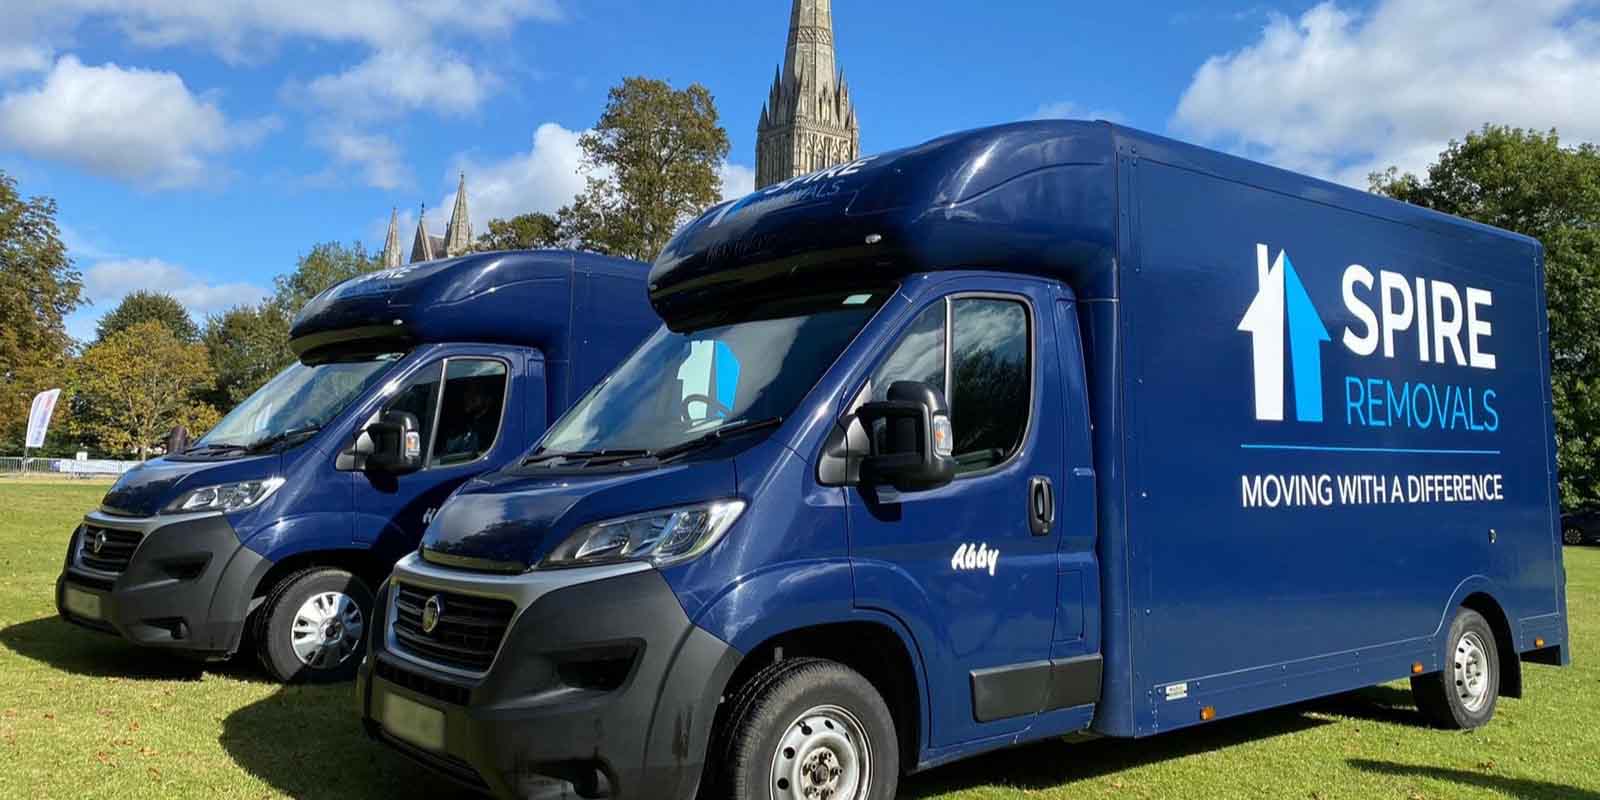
(651, 165)
(326, 265)
(1526, 181)
(248, 345)
(144, 306)
(143, 382)
(38, 289)
(523, 232)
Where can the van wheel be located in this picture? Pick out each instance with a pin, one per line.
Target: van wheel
(313, 626)
(1463, 695)
(806, 729)
(1572, 536)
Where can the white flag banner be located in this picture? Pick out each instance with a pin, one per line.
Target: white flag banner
(44, 406)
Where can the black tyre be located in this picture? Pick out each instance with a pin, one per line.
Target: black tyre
(1572, 536)
(313, 626)
(1463, 696)
(805, 724)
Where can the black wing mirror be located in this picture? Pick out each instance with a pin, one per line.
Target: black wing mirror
(392, 445)
(912, 451)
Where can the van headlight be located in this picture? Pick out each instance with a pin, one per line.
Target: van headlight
(664, 537)
(226, 497)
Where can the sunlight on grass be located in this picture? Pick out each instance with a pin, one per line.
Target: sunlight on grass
(82, 715)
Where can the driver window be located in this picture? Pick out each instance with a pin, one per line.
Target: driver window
(469, 417)
(420, 397)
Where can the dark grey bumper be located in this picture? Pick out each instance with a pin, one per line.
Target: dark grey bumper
(187, 586)
(602, 688)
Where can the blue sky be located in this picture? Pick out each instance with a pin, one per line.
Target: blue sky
(200, 146)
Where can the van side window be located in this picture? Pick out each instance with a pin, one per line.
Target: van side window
(420, 398)
(469, 417)
(990, 379)
(918, 357)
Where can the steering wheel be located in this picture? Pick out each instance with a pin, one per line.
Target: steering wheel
(712, 406)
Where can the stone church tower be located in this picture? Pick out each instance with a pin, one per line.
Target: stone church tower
(456, 241)
(808, 122)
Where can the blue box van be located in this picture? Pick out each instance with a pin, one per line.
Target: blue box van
(1038, 429)
(410, 382)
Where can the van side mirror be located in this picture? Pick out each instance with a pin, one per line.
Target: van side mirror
(912, 452)
(392, 445)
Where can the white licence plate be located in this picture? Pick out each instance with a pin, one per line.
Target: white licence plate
(413, 722)
(82, 603)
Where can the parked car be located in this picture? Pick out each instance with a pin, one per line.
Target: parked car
(1045, 428)
(1581, 527)
(275, 528)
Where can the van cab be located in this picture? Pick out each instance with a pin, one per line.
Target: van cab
(1032, 430)
(272, 530)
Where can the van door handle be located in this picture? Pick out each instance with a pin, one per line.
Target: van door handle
(1041, 505)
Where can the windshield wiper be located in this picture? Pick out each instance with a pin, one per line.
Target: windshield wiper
(713, 437)
(217, 447)
(582, 455)
(275, 440)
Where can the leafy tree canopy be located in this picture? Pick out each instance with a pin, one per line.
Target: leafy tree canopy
(1528, 182)
(652, 164)
(248, 345)
(143, 382)
(327, 265)
(531, 231)
(145, 306)
(38, 289)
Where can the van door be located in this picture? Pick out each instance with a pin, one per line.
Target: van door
(460, 403)
(971, 566)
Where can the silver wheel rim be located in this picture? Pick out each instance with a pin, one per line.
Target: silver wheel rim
(327, 630)
(1472, 672)
(823, 755)
(1574, 537)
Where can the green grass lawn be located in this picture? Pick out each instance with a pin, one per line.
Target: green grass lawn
(84, 716)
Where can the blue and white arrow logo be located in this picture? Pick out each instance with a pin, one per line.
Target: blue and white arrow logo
(1282, 302)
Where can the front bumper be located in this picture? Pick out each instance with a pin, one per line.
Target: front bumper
(601, 687)
(186, 587)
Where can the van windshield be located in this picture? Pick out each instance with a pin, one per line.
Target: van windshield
(681, 386)
(297, 403)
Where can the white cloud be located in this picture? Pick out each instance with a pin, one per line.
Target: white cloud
(393, 82)
(1066, 109)
(243, 29)
(107, 282)
(377, 156)
(22, 57)
(1340, 93)
(137, 125)
(544, 178)
(737, 180)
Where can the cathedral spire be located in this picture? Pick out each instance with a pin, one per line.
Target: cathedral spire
(422, 245)
(391, 243)
(808, 122)
(458, 234)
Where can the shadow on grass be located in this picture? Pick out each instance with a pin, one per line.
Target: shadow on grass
(1387, 704)
(81, 651)
(307, 742)
(1059, 763)
(1519, 788)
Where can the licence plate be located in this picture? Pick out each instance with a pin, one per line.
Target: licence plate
(413, 722)
(82, 603)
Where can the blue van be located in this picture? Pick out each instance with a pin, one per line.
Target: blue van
(1046, 428)
(273, 528)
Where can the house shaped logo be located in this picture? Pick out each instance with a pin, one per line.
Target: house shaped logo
(1282, 303)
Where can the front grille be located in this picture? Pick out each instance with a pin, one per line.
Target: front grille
(468, 633)
(113, 552)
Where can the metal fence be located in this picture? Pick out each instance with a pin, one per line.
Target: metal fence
(66, 467)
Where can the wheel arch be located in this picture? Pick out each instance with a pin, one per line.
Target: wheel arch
(1480, 594)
